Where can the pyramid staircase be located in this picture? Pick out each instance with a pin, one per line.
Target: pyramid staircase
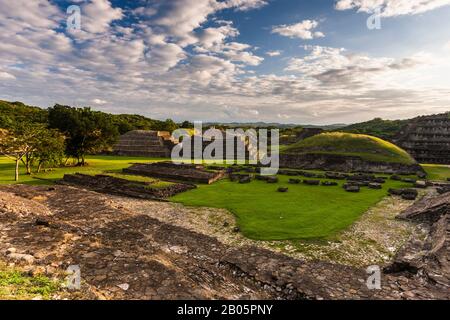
(143, 143)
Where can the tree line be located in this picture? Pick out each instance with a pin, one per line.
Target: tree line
(38, 138)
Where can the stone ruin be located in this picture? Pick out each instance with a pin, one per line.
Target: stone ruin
(249, 151)
(122, 187)
(427, 138)
(428, 257)
(118, 244)
(144, 143)
(170, 171)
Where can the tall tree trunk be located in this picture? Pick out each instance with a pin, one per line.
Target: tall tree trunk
(39, 167)
(28, 168)
(17, 170)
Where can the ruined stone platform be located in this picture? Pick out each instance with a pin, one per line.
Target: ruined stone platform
(123, 187)
(125, 255)
(190, 173)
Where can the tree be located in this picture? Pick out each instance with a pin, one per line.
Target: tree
(50, 148)
(18, 142)
(168, 125)
(86, 131)
(187, 125)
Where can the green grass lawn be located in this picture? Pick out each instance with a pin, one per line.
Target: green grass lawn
(304, 212)
(437, 172)
(96, 165)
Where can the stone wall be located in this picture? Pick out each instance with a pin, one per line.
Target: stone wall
(427, 138)
(344, 164)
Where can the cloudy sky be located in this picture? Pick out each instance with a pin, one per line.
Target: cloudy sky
(290, 61)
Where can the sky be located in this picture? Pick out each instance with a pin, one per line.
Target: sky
(287, 61)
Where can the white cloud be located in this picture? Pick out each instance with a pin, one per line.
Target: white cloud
(99, 101)
(97, 16)
(303, 30)
(245, 5)
(147, 68)
(336, 67)
(6, 76)
(273, 53)
(392, 8)
(447, 46)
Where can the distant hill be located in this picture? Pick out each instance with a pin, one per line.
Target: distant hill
(14, 112)
(384, 129)
(271, 124)
(348, 144)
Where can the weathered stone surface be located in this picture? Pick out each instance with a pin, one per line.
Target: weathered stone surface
(311, 182)
(429, 209)
(374, 185)
(113, 185)
(407, 194)
(329, 183)
(272, 179)
(144, 143)
(351, 188)
(427, 138)
(158, 260)
(427, 259)
(172, 171)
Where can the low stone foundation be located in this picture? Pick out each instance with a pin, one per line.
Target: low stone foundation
(175, 172)
(344, 164)
(112, 185)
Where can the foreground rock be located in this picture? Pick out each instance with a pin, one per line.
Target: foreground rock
(128, 255)
(427, 258)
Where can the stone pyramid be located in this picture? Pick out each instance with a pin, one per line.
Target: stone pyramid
(144, 143)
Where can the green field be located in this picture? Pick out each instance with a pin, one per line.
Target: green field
(437, 172)
(347, 144)
(304, 212)
(96, 165)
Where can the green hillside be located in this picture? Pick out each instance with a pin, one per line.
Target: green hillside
(15, 112)
(385, 129)
(338, 143)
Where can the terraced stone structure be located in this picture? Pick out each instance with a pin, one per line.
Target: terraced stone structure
(427, 138)
(175, 172)
(123, 187)
(143, 143)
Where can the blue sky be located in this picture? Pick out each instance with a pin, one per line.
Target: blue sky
(291, 61)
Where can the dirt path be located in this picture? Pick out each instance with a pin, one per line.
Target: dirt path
(125, 254)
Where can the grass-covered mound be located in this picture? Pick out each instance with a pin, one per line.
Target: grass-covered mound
(348, 144)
